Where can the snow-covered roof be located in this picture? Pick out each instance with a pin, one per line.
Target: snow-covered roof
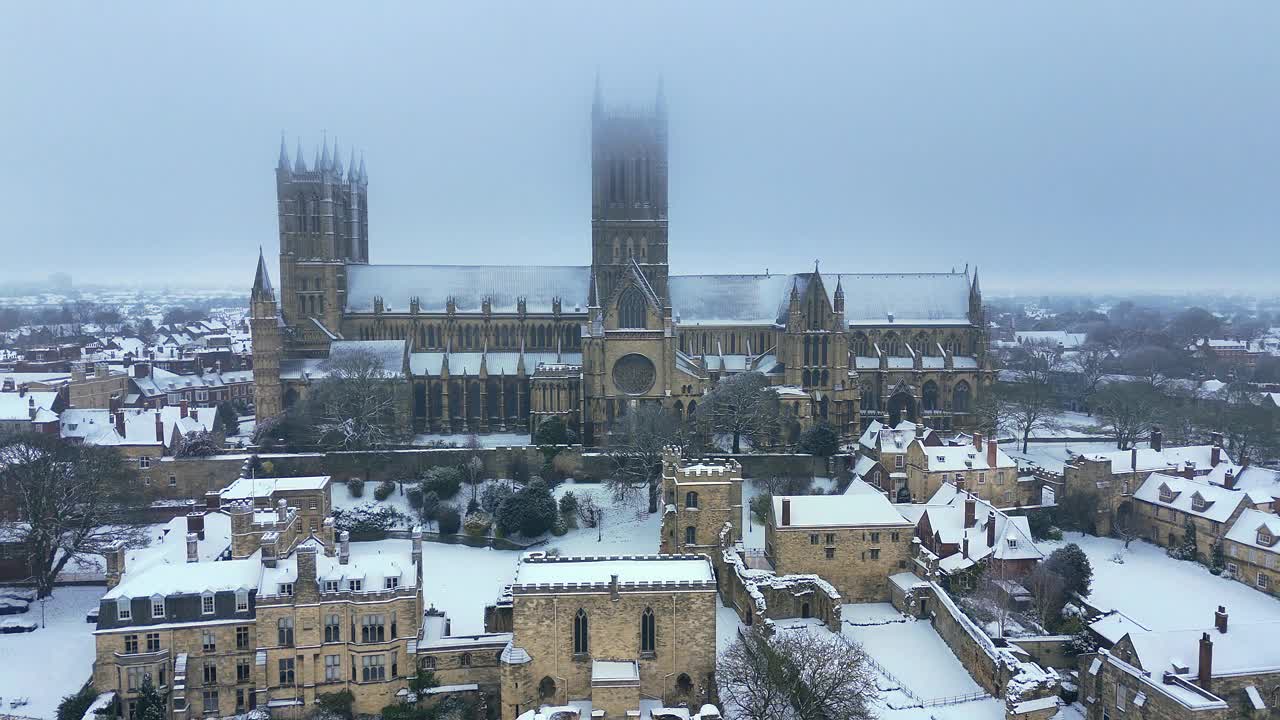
(372, 562)
(1219, 502)
(962, 458)
(870, 298)
(1244, 648)
(1123, 461)
(467, 285)
(245, 488)
(1115, 625)
(894, 440)
(614, 671)
(855, 510)
(632, 570)
(1262, 484)
(96, 426)
(1245, 529)
(15, 406)
(945, 511)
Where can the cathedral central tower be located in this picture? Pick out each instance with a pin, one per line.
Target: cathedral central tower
(629, 194)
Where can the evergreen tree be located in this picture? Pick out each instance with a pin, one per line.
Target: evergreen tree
(151, 705)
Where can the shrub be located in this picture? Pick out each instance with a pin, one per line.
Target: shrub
(444, 481)
(201, 443)
(449, 520)
(551, 431)
(384, 490)
(820, 439)
(565, 463)
(430, 506)
(336, 704)
(473, 505)
(477, 524)
(1071, 564)
(75, 705)
(531, 512)
(367, 518)
(559, 527)
(568, 503)
(760, 507)
(414, 496)
(355, 486)
(268, 469)
(493, 495)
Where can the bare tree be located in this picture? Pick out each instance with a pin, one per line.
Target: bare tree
(72, 501)
(1091, 363)
(1048, 594)
(361, 404)
(635, 448)
(1025, 408)
(474, 466)
(995, 599)
(797, 675)
(1127, 411)
(742, 405)
(590, 514)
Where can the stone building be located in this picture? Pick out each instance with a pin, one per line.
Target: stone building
(610, 630)
(982, 469)
(96, 385)
(699, 497)
(1165, 505)
(888, 446)
(959, 531)
(1251, 551)
(504, 347)
(1115, 475)
(854, 541)
(247, 609)
(1213, 673)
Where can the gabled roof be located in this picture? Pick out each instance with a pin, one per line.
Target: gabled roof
(1169, 458)
(1220, 502)
(1245, 529)
(1244, 648)
(962, 458)
(856, 509)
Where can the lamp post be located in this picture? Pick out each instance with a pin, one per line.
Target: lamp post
(43, 600)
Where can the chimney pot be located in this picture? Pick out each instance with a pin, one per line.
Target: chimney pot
(1157, 439)
(1205, 674)
(992, 450)
(182, 408)
(991, 529)
(977, 441)
(1229, 480)
(970, 511)
(1220, 619)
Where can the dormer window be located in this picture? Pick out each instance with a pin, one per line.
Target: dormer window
(124, 610)
(286, 588)
(355, 585)
(157, 606)
(1013, 543)
(391, 583)
(1198, 503)
(331, 586)
(1265, 537)
(242, 601)
(206, 603)
(1166, 494)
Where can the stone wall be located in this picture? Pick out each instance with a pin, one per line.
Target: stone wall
(859, 563)
(760, 597)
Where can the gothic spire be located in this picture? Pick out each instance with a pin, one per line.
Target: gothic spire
(316, 165)
(325, 162)
(351, 166)
(261, 278)
(337, 159)
(597, 100)
(300, 165)
(283, 162)
(661, 104)
(364, 177)
(593, 295)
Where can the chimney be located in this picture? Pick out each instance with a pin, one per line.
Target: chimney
(1215, 438)
(115, 556)
(1220, 619)
(268, 543)
(1157, 439)
(1244, 461)
(193, 547)
(964, 546)
(159, 428)
(991, 529)
(1133, 459)
(992, 449)
(120, 423)
(613, 588)
(305, 586)
(344, 547)
(22, 391)
(1229, 479)
(212, 501)
(195, 519)
(416, 550)
(970, 511)
(1189, 470)
(1206, 663)
(282, 510)
(140, 370)
(977, 441)
(31, 408)
(786, 511)
(1215, 455)
(182, 409)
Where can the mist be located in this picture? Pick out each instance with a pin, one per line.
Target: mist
(1077, 146)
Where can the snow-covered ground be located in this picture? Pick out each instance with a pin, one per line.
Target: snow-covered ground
(461, 580)
(916, 655)
(54, 661)
(1160, 592)
(1053, 455)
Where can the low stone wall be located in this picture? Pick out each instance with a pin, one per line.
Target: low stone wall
(760, 597)
(1048, 650)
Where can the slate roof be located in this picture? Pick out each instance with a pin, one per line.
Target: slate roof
(468, 285)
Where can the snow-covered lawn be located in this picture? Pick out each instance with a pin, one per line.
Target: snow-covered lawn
(914, 653)
(1053, 455)
(986, 709)
(461, 580)
(1163, 593)
(54, 661)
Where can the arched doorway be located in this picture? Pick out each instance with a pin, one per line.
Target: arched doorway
(901, 407)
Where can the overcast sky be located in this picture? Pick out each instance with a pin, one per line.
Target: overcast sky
(1059, 146)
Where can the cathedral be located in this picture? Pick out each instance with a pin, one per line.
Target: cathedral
(488, 348)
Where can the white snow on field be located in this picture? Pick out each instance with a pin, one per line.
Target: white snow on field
(870, 614)
(987, 709)
(461, 580)
(727, 625)
(1053, 455)
(1163, 593)
(916, 655)
(461, 440)
(753, 529)
(53, 661)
